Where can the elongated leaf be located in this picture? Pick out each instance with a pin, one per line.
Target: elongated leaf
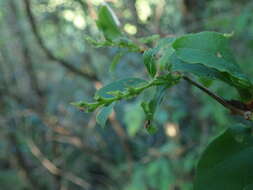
(151, 106)
(120, 86)
(211, 49)
(122, 42)
(227, 163)
(197, 69)
(133, 118)
(149, 39)
(103, 114)
(108, 23)
(116, 60)
(209, 73)
(149, 60)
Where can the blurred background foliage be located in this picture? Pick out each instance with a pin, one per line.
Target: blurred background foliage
(46, 63)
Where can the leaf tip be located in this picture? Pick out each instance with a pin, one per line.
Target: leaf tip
(229, 35)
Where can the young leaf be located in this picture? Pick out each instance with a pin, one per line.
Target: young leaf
(151, 129)
(164, 50)
(103, 114)
(150, 107)
(119, 86)
(149, 39)
(133, 118)
(108, 23)
(149, 60)
(116, 60)
(227, 161)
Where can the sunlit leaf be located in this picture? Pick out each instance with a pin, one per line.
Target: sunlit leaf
(108, 23)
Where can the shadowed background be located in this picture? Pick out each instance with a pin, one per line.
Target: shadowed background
(45, 64)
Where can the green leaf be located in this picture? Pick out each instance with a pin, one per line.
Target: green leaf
(249, 187)
(103, 114)
(166, 50)
(151, 129)
(208, 73)
(116, 60)
(159, 174)
(108, 23)
(211, 49)
(164, 60)
(96, 43)
(151, 106)
(227, 164)
(198, 70)
(149, 39)
(133, 118)
(122, 42)
(149, 60)
(138, 179)
(120, 86)
(163, 50)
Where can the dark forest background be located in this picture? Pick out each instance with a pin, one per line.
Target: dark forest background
(45, 64)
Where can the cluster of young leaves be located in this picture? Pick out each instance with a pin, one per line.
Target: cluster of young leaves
(226, 163)
(126, 88)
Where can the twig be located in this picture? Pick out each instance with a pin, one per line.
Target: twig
(55, 170)
(48, 53)
(219, 99)
(28, 64)
(22, 162)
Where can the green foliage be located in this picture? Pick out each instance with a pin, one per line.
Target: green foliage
(159, 56)
(196, 69)
(151, 106)
(35, 96)
(116, 60)
(104, 114)
(149, 61)
(122, 42)
(120, 87)
(149, 39)
(211, 49)
(107, 22)
(156, 174)
(133, 118)
(227, 161)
